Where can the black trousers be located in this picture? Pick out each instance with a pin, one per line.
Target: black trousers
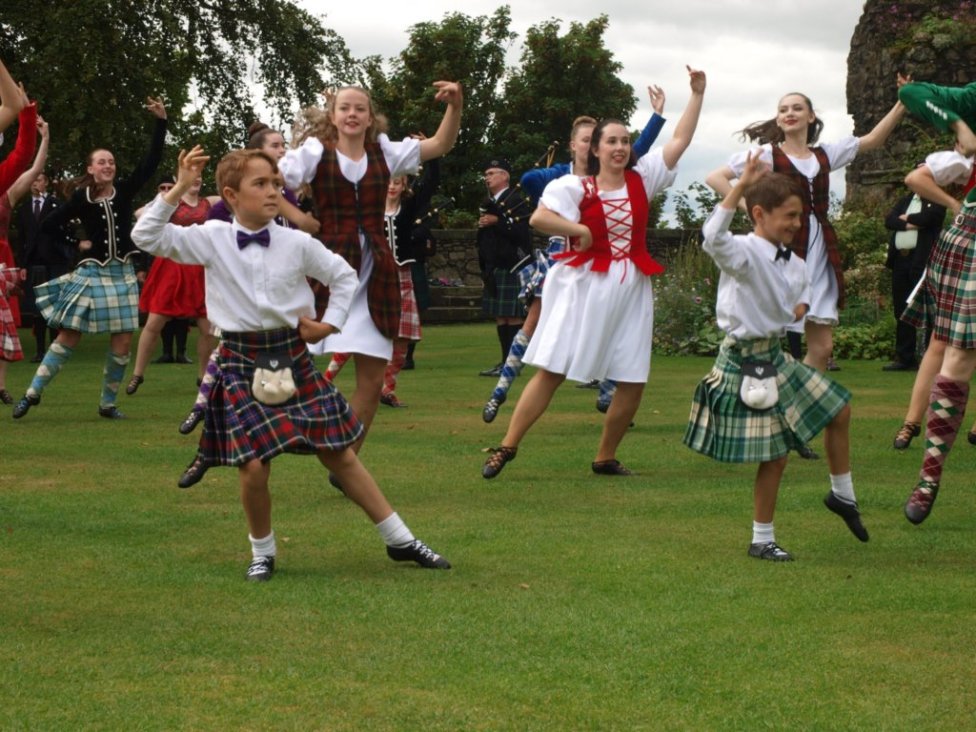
(904, 277)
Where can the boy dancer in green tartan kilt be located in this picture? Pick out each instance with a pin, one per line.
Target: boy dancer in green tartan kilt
(784, 404)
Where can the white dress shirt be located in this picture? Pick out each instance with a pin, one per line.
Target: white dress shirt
(757, 293)
(254, 288)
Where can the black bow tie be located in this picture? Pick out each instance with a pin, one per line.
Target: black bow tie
(784, 254)
(262, 237)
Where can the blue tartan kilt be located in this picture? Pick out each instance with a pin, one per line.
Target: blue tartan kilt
(92, 298)
(238, 428)
(722, 427)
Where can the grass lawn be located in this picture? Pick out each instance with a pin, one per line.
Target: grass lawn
(577, 602)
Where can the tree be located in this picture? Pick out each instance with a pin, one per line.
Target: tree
(458, 48)
(91, 64)
(559, 79)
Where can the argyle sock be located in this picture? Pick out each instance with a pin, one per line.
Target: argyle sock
(608, 387)
(512, 367)
(947, 407)
(111, 377)
(57, 355)
(335, 365)
(207, 382)
(394, 366)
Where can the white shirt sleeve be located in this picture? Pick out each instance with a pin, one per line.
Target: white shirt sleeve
(402, 158)
(737, 163)
(299, 165)
(949, 167)
(154, 234)
(842, 152)
(563, 196)
(655, 172)
(332, 270)
(719, 243)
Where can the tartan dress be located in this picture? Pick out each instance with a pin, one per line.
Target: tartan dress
(947, 298)
(349, 210)
(9, 340)
(238, 428)
(722, 427)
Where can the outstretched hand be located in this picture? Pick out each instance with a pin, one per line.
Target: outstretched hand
(656, 94)
(42, 128)
(754, 168)
(902, 79)
(156, 107)
(697, 80)
(448, 92)
(190, 167)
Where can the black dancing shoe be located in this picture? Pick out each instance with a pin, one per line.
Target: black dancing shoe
(805, 452)
(495, 371)
(260, 569)
(194, 472)
(499, 456)
(165, 358)
(919, 504)
(770, 551)
(191, 421)
(390, 400)
(5, 397)
(134, 383)
(182, 358)
(490, 411)
(610, 467)
(417, 551)
(111, 412)
(905, 434)
(591, 384)
(26, 402)
(849, 512)
(972, 436)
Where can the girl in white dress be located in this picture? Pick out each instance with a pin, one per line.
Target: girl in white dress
(789, 146)
(597, 312)
(349, 167)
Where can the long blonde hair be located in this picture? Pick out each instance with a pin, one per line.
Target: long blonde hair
(318, 122)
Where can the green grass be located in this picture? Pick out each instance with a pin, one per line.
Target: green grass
(576, 602)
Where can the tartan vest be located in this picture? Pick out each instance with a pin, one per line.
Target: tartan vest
(346, 211)
(593, 217)
(817, 203)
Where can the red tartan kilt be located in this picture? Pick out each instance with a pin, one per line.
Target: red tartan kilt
(174, 289)
(238, 429)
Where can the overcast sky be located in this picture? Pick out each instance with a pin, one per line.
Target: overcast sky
(753, 52)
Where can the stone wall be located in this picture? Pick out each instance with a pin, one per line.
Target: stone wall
(456, 260)
(934, 41)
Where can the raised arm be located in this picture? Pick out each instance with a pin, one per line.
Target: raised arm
(876, 137)
(445, 137)
(147, 166)
(653, 127)
(12, 98)
(685, 130)
(20, 159)
(23, 183)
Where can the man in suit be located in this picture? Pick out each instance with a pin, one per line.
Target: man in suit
(44, 256)
(504, 240)
(915, 224)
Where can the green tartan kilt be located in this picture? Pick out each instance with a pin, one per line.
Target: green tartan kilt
(722, 427)
(501, 295)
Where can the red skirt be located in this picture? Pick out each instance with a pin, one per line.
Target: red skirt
(175, 290)
(7, 258)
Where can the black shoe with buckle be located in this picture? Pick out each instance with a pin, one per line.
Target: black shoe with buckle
(110, 412)
(134, 383)
(919, 504)
(26, 402)
(905, 434)
(260, 569)
(610, 467)
(770, 551)
(191, 421)
(849, 512)
(417, 551)
(194, 472)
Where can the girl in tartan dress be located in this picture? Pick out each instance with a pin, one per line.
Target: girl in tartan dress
(101, 295)
(762, 289)
(257, 294)
(349, 166)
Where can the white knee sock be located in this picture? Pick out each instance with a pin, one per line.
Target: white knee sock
(762, 533)
(263, 547)
(843, 487)
(394, 531)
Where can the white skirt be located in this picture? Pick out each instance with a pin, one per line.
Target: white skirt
(823, 282)
(595, 325)
(359, 334)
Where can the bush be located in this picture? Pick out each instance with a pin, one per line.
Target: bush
(684, 305)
